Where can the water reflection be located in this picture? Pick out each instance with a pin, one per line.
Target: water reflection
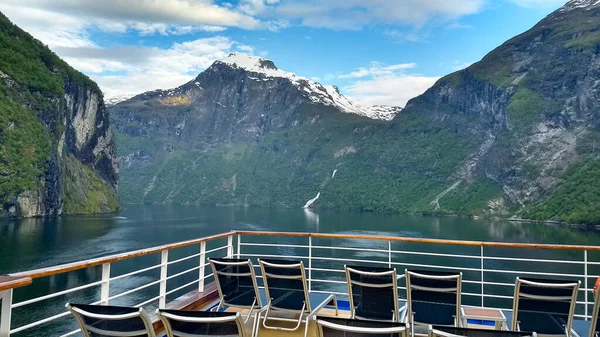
(35, 243)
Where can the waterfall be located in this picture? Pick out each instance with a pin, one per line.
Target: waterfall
(311, 201)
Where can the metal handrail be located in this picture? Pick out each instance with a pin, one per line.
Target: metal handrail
(315, 264)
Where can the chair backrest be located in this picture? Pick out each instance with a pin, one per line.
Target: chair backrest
(105, 320)
(450, 331)
(285, 284)
(373, 292)
(180, 323)
(594, 326)
(443, 288)
(236, 282)
(333, 327)
(555, 297)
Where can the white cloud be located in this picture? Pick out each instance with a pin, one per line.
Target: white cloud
(539, 3)
(378, 69)
(384, 84)
(54, 29)
(142, 69)
(354, 14)
(457, 65)
(174, 12)
(393, 90)
(246, 49)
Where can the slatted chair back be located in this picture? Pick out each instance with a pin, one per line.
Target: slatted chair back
(111, 321)
(545, 306)
(343, 327)
(179, 323)
(434, 297)
(236, 283)
(373, 292)
(450, 331)
(285, 284)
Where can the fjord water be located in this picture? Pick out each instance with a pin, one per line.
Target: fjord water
(36, 243)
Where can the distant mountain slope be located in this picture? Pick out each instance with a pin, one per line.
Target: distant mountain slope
(56, 145)
(513, 135)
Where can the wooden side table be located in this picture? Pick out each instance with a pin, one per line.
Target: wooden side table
(483, 315)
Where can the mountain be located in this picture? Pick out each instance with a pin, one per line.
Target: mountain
(57, 151)
(116, 100)
(514, 135)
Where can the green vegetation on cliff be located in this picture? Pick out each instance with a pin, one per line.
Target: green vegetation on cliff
(27, 61)
(34, 118)
(576, 199)
(24, 148)
(84, 192)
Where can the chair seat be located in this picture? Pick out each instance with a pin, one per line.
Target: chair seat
(245, 297)
(294, 299)
(434, 313)
(371, 313)
(542, 323)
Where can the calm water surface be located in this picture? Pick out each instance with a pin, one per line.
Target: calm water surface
(37, 243)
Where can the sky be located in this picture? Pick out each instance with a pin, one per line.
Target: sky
(375, 51)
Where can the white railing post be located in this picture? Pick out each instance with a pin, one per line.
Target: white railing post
(389, 254)
(6, 297)
(239, 246)
(164, 259)
(202, 266)
(105, 286)
(309, 262)
(585, 281)
(482, 293)
(230, 246)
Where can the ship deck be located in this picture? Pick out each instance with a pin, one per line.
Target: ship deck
(178, 276)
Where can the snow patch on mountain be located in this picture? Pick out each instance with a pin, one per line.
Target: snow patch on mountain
(110, 101)
(574, 4)
(317, 93)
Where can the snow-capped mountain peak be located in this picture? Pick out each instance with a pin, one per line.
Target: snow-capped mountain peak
(574, 4)
(110, 101)
(256, 64)
(317, 93)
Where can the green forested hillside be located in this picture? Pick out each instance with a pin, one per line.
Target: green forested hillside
(513, 135)
(36, 131)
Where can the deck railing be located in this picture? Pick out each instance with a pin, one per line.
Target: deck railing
(489, 271)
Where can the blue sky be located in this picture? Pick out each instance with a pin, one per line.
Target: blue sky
(376, 51)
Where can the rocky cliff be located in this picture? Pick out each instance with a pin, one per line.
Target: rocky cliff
(57, 152)
(514, 135)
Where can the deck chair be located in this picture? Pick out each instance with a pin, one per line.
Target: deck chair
(180, 323)
(433, 297)
(287, 292)
(236, 284)
(373, 293)
(334, 327)
(105, 320)
(545, 306)
(594, 326)
(450, 331)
